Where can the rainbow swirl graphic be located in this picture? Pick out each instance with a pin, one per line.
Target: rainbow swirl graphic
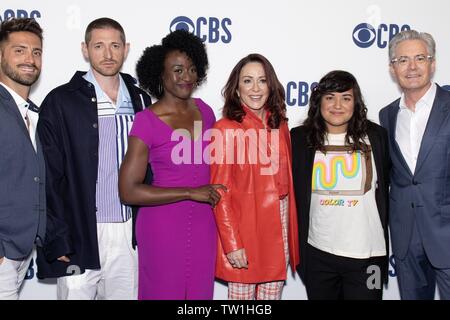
(348, 165)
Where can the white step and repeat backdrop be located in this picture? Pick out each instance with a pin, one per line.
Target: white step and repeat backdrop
(303, 40)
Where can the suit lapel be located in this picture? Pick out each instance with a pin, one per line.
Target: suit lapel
(393, 112)
(438, 115)
(12, 108)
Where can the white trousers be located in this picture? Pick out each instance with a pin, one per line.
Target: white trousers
(12, 274)
(117, 278)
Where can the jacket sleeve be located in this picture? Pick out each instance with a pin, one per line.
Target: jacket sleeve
(57, 240)
(226, 213)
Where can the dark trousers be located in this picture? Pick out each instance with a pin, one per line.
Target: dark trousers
(331, 277)
(417, 277)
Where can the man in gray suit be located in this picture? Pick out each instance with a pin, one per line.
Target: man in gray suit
(22, 165)
(419, 130)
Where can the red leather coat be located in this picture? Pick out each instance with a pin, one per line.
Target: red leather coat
(248, 214)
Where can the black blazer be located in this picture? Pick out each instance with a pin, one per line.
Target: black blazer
(302, 166)
(69, 134)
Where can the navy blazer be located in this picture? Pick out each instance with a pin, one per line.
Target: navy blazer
(22, 183)
(422, 196)
(68, 127)
(302, 167)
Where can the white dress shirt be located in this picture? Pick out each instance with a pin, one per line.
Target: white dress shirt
(411, 126)
(25, 112)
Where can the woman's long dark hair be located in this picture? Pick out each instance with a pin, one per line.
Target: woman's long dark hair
(275, 103)
(337, 81)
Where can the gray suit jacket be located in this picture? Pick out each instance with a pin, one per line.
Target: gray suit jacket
(423, 196)
(22, 183)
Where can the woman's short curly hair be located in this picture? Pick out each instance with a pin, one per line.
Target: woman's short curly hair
(150, 65)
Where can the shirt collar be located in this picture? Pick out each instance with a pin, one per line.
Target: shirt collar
(426, 100)
(122, 96)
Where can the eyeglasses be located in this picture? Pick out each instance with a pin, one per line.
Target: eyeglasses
(403, 61)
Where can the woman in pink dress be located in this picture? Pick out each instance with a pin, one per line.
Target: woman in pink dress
(175, 228)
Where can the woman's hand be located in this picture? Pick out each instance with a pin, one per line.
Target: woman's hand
(238, 259)
(207, 193)
(63, 259)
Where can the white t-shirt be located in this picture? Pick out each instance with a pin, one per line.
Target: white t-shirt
(344, 217)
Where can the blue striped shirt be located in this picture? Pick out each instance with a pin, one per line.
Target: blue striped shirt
(114, 124)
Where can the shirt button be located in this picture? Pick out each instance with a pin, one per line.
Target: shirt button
(93, 99)
(36, 179)
(95, 125)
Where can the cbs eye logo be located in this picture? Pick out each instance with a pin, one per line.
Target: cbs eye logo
(447, 87)
(209, 29)
(365, 35)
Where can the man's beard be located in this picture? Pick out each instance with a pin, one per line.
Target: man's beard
(15, 76)
(107, 72)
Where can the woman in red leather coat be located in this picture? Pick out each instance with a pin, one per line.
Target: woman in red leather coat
(256, 216)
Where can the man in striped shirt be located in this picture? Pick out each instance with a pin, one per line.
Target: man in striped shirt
(85, 125)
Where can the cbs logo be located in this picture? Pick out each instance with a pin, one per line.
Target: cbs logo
(209, 29)
(19, 13)
(365, 35)
(298, 92)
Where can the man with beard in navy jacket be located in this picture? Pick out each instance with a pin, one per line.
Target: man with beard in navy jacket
(84, 127)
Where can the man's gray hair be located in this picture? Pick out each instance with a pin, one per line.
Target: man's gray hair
(412, 35)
